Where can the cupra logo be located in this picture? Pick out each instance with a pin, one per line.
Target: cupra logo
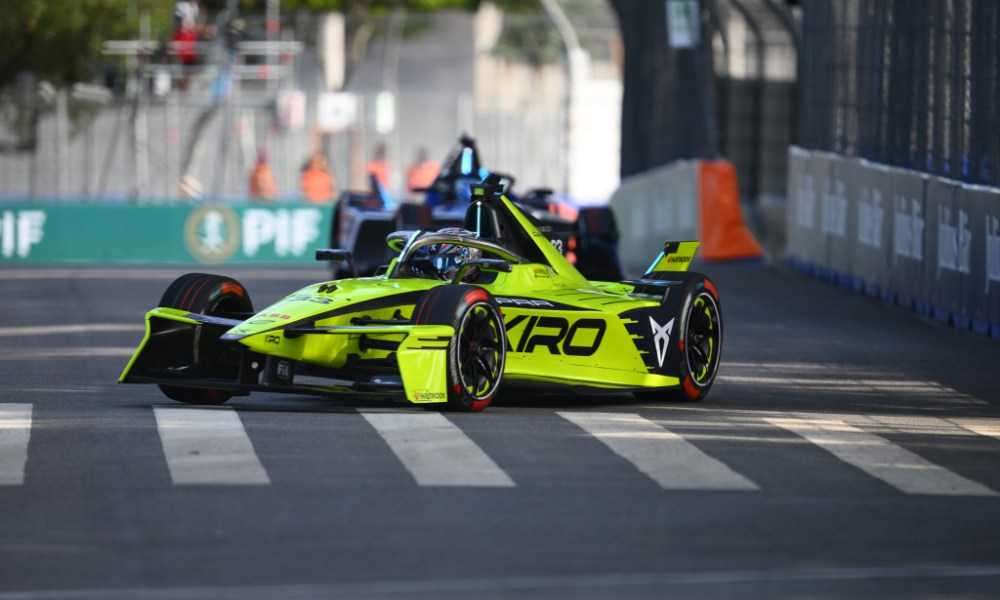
(661, 337)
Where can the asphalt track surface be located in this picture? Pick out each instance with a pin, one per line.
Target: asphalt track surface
(848, 450)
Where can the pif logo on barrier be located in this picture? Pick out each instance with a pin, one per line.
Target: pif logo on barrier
(214, 233)
(291, 231)
(19, 231)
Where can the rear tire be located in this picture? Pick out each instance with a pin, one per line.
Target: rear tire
(697, 344)
(210, 295)
(477, 352)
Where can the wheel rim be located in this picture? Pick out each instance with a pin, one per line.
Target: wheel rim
(703, 336)
(480, 354)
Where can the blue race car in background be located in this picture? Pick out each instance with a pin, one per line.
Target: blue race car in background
(587, 236)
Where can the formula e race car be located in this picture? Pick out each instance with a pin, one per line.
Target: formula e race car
(586, 235)
(456, 312)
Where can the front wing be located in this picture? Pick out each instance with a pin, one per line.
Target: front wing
(187, 349)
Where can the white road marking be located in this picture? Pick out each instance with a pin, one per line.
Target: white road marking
(208, 446)
(880, 458)
(34, 330)
(436, 452)
(67, 352)
(987, 427)
(671, 461)
(15, 432)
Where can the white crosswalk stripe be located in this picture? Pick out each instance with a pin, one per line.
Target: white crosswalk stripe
(15, 432)
(881, 459)
(436, 452)
(664, 456)
(989, 428)
(208, 447)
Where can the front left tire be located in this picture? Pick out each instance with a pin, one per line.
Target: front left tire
(477, 352)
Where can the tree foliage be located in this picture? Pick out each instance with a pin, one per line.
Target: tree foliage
(60, 40)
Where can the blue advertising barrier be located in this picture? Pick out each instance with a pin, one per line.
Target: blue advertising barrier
(927, 243)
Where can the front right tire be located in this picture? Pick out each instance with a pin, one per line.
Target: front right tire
(210, 295)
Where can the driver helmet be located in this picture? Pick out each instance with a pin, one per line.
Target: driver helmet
(447, 257)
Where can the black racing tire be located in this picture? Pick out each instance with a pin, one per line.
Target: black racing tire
(210, 295)
(478, 351)
(696, 346)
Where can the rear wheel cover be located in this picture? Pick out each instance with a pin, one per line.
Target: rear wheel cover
(697, 350)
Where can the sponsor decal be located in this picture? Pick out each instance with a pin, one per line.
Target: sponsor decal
(283, 371)
(428, 395)
(908, 229)
(557, 335)
(661, 338)
(954, 241)
(19, 231)
(212, 233)
(835, 209)
(678, 259)
(805, 202)
(273, 339)
(306, 298)
(530, 302)
(992, 250)
(871, 215)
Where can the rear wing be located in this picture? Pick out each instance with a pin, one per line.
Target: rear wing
(676, 256)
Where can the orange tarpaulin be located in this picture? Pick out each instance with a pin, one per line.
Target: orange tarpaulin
(724, 236)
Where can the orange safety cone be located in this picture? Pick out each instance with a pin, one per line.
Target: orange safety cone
(724, 236)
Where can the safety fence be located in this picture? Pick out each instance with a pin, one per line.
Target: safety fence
(908, 83)
(924, 242)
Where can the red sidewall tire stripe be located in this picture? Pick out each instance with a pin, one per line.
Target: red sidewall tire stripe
(192, 293)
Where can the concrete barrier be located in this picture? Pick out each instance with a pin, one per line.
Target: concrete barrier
(654, 207)
(682, 201)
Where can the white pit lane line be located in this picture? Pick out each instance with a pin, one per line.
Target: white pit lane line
(436, 452)
(880, 458)
(15, 433)
(208, 446)
(665, 457)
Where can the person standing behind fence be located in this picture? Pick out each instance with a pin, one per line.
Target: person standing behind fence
(262, 184)
(422, 173)
(378, 166)
(318, 183)
(185, 10)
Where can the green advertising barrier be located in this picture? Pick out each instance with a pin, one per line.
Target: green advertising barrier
(211, 233)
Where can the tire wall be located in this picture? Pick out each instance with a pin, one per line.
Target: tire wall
(924, 242)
